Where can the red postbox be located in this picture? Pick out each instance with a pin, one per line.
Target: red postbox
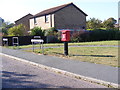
(65, 35)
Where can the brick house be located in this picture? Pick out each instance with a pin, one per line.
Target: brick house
(67, 16)
(25, 21)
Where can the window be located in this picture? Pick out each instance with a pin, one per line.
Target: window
(35, 21)
(46, 18)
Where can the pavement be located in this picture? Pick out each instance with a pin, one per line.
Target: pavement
(97, 73)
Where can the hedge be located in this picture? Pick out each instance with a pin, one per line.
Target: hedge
(95, 35)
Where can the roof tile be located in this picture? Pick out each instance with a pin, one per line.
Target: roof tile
(54, 9)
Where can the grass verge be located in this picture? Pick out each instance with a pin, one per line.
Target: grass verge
(98, 55)
(113, 42)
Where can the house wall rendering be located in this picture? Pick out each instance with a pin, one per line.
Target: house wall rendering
(44, 22)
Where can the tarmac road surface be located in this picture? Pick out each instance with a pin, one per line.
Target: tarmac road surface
(16, 74)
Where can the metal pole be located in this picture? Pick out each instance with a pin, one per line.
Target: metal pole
(118, 22)
(33, 46)
(42, 48)
(40, 44)
(66, 48)
(7, 43)
(47, 38)
(119, 15)
(13, 42)
(17, 43)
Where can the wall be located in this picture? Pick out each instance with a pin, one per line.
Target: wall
(69, 18)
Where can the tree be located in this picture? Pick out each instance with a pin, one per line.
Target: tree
(17, 30)
(5, 27)
(37, 31)
(109, 23)
(93, 23)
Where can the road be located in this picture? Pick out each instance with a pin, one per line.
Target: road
(16, 74)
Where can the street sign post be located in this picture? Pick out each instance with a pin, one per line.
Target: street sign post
(15, 41)
(5, 41)
(40, 41)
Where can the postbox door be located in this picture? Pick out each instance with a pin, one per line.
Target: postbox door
(64, 37)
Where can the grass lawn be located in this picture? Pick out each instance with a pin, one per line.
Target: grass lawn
(98, 55)
(113, 42)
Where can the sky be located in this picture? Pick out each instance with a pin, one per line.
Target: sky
(12, 10)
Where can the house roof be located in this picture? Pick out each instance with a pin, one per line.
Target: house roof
(24, 17)
(55, 9)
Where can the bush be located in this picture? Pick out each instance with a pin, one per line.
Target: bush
(52, 35)
(37, 31)
(50, 32)
(99, 35)
(75, 36)
(95, 35)
(4, 31)
(80, 36)
(17, 30)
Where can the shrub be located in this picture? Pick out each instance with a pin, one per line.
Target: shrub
(78, 36)
(4, 28)
(50, 32)
(52, 35)
(37, 31)
(59, 35)
(95, 35)
(75, 36)
(98, 35)
(4, 31)
(17, 30)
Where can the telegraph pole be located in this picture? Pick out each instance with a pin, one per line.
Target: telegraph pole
(119, 15)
